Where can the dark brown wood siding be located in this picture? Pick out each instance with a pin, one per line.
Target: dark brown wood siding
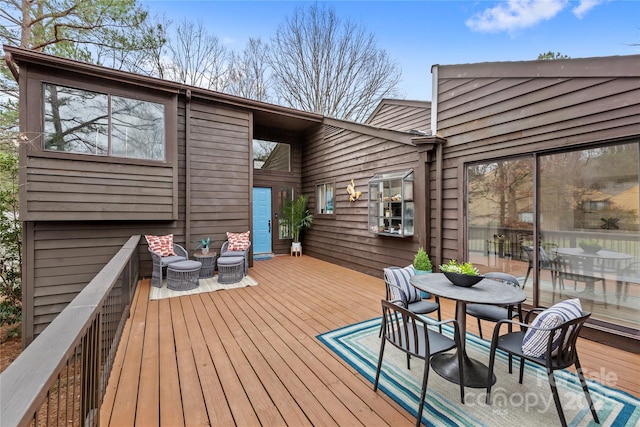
(219, 194)
(337, 155)
(488, 111)
(66, 186)
(402, 115)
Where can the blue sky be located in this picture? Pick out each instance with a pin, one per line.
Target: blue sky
(418, 34)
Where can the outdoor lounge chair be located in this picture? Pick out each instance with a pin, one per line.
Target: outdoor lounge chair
(161, 262)
(224, 252)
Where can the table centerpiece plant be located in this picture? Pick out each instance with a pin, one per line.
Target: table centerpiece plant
(422, 265)
(461, 273)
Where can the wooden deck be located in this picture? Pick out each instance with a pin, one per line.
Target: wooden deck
(250, 357)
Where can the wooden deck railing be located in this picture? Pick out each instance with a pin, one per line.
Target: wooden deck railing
(60, 378)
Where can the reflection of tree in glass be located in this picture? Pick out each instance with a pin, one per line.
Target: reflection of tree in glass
(262, 149)
(137, 128)
(75, 120)
(504, 188)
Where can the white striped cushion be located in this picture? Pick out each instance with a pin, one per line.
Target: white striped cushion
(535, 342)
(400, 277)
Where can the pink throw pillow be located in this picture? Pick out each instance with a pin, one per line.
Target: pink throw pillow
(161, 245)
(238, 242)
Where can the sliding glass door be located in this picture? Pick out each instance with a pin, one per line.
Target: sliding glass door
(565, 223)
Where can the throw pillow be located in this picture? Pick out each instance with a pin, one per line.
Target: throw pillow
(400, 277)
(535, 341)
(161, 245)
(238, 241)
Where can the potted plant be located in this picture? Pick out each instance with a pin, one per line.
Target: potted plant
(421, 262)
(590, 246)
(422, 265)
(461, 273)
(295, 217)
(203, 244)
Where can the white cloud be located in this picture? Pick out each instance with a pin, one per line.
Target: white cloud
(514, 15)
(585, 6)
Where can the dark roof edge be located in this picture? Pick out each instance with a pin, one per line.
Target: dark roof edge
(605, 66)
(390, 134)
(17, 55)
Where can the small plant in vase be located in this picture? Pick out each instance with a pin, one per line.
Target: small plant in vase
(421, 262)
(422, 265)
(203, 245)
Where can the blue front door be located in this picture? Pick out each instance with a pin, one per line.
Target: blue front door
(261, 220)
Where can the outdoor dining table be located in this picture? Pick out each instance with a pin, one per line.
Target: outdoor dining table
(487, 291)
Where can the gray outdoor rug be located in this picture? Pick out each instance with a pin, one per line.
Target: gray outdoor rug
(206, 285)
(514, 404)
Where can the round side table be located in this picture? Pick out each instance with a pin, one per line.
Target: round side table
(208, 263)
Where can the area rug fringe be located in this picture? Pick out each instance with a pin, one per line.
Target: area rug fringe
(527, 404)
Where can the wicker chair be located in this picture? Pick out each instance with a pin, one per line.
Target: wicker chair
(160, 262)
(224, 252)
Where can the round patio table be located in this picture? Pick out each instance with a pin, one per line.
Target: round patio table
(487, 291)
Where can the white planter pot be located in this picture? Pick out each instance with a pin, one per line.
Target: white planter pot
(296, 248)
(205, 251)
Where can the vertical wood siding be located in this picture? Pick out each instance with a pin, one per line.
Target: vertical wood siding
(523, 108)
(220, 168)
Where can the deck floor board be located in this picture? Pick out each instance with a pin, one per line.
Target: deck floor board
(250, 356)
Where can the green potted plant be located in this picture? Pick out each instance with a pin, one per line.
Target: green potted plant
(421, 262)
(422, 265)
(295, 217)
(461, 273)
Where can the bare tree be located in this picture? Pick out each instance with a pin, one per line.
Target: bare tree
(196, 58)
(248, 74)
(324, 65)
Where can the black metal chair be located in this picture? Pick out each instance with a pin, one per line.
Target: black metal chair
(495, 313)
(544, 262)
(410, 333)
(398, 288)
(564, 355)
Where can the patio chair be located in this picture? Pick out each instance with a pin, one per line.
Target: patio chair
(398, 288)
(495, 313)
(544, 262)
(226, 252)
(161, 262)
(553, 347)
(410, 334)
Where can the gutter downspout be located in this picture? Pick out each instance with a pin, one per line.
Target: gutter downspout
(439, 175)
(187, 143)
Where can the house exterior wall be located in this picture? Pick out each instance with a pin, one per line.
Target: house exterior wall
(336, 154)
(402, 115)
(493, 110)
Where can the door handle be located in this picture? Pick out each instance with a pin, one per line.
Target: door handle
(269, 226)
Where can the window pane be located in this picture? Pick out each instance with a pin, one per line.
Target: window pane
(286, 195)
(500, 216)
(589, 202)
(324, 196)
(269, 155)
(137, 129)
(75, 121)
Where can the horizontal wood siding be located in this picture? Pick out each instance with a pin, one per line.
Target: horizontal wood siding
(220, 170)
(525, 108)
(402, 115)
(339, 155)
(66, 190)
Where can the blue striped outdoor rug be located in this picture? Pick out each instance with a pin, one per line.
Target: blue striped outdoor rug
(514, 404)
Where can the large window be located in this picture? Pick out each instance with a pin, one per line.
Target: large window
(324, 196)
(580, 240)
(268, 155)
(85, 122)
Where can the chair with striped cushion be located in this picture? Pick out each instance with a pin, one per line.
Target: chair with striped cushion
(548, 340)
(400, 290)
